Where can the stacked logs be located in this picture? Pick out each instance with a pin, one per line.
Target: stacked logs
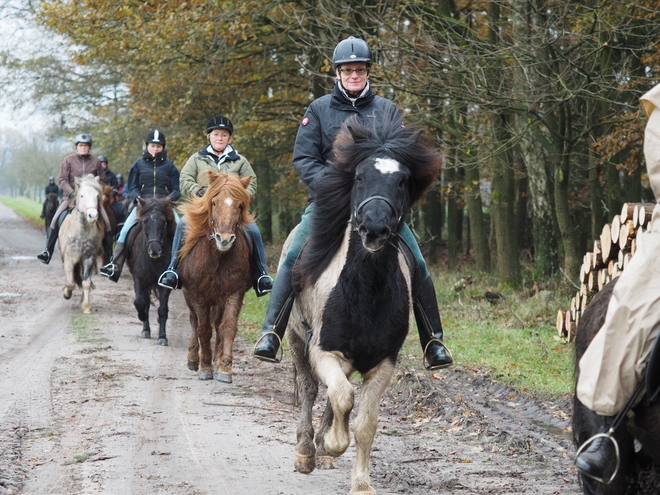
(609, 258)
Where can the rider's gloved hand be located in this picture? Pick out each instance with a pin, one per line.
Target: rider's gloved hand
(201, 192)
(72, 194)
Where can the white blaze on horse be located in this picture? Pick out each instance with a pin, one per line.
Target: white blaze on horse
(80, 239)
(353, 310)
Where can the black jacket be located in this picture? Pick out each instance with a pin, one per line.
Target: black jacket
(52, 188)
(110, 178)
(151, 176)
(322, 122)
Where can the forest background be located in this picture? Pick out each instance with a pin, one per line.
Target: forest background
(534, 104)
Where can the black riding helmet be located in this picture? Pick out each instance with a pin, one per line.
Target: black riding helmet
(219, 122)
(103, 159)
(155, 136)
(351, 49)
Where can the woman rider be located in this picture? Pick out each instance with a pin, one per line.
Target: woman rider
(152, 175)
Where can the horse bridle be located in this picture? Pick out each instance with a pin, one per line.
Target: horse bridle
(356, 210)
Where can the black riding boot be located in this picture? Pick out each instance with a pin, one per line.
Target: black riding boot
(598, 460)
(277, 317)
(113, 269)
(261, 281)
(170, 277)
(107, 245)
(429, 326)
(51, 239)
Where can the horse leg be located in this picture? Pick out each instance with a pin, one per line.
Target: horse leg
(204, 334)
(142, 304)
(70, 283)
(87, 285)
(366, 422)
(341, 396)
(323, 459)
(226, 333)
(163, 311)
(193, 346)
(307, 388)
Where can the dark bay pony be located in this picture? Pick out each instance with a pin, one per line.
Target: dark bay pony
(52, 202)
(353, 311)
(149, 246)
(80, 239)
(214, 270)
(639, 469)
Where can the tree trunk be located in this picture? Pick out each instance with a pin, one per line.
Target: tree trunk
(478, 234)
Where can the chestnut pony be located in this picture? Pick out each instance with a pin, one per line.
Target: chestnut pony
(214, 269)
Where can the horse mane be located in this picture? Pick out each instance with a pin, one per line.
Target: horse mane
(89, 180)
(164, 204)
(355, 143)
(198, 211)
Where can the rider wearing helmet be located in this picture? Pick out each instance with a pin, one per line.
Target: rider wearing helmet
(352, 95)
(50, 188)
(110, 178)
(218, 156)
(76, 165)
(152, 175)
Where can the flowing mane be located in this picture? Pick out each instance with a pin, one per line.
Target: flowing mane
(161, 204)
(355, 143)
(198, 211)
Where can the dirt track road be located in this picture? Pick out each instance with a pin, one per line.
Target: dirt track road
(87, 406)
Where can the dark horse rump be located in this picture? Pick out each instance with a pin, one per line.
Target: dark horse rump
(638, 438)
(149, 246)
(49, 209)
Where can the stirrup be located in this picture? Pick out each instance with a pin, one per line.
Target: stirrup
(609, 436)
(108, 270)
(264, 292)
(44, 256)
(264, 358)
(176, 285)
(426, 348)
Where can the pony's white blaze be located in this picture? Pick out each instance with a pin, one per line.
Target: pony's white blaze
(229, 201)
(387, 165)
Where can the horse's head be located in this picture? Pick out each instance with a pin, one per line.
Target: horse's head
(379, 200)
(229, 203)
(155, 215)
(88, 194)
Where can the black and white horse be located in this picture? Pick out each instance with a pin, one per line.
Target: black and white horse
(353, 311)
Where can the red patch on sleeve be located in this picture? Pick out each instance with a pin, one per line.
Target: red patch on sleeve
(304, 121)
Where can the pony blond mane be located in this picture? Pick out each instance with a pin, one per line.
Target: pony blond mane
(198, 211)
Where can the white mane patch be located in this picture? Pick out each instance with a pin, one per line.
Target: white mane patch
(229, 201)
(387, 165)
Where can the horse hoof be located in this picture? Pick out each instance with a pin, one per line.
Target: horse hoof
(87, 310)
(325, 462)
(193, 365)
(223, 377)
(367, 491)
(205, 375)
(162, 342)
(146, 334)
(66, 293)
(304, 464)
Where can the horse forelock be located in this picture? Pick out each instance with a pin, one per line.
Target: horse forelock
(357, 142)
(198, 211)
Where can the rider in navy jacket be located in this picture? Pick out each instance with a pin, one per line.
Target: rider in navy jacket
(152, 175)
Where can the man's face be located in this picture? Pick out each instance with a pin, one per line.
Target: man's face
(219, 139)
(82, 149)
(353, 76)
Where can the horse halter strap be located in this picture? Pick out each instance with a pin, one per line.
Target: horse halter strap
(359, 207)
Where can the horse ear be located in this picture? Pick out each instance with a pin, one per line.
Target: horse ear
(246, 181)
(417, 136)
(140, 201)
(77, 180)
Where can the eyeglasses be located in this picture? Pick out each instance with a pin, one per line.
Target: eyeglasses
(347, 72)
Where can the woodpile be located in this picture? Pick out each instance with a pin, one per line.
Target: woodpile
(610, 255)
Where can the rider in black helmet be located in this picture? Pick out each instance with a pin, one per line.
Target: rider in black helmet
(110, 177)
(351, 96)
(218, 156)
(50, 188)
(152, 175)
(75, 165)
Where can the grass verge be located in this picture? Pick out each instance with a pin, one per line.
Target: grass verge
(25, 207)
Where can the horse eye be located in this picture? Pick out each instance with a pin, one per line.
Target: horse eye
(358, 178)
